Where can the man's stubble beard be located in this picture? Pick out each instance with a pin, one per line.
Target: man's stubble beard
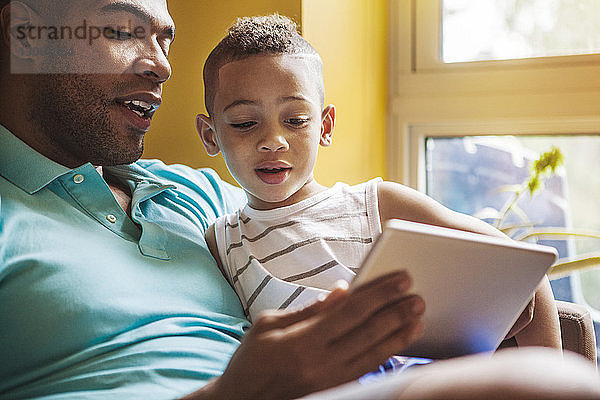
(74, 114)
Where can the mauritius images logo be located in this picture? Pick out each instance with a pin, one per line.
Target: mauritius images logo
(82, 47)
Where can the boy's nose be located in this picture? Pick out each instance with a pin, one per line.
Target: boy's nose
(273, 143)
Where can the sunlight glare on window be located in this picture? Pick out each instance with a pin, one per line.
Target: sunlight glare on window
(477, 30)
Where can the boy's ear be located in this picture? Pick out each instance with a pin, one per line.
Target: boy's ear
(206, 130)
(327, 125)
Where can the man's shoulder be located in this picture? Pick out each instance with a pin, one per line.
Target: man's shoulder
(176, 171)
(185, 176)
(198, 181)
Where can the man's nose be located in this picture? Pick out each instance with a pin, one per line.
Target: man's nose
(275, 142)
(154, 65)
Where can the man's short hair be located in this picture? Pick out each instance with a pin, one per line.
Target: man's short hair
(265, 35)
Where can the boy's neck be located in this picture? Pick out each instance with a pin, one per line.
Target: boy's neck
(310, 189)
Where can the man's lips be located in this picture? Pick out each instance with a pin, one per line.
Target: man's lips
(135, 118)
(139, 108)
(273, 172)
(144, 104)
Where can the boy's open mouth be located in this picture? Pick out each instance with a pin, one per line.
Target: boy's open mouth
(272, 170)
(273, 174)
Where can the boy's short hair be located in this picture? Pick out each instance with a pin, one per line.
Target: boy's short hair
(265, 35)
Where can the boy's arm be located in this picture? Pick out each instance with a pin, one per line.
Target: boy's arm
(538, 324)
(401, 202)
(211, 241)
(544, 326)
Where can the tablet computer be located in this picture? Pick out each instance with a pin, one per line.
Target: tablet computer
(474, 286)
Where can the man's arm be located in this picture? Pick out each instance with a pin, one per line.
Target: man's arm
(538, 324)
(289, 354)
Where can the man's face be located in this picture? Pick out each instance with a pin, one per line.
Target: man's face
(100, 106)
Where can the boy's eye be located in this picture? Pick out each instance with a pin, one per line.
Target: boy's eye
(244, 125)
(296, 121)
(111, 33)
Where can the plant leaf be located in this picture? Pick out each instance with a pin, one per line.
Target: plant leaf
(520, 213)
(509, 230)
(509, 188)
(564, 268)
(557, 232)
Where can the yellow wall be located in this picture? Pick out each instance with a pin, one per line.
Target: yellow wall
(351, 37)
(200, 25)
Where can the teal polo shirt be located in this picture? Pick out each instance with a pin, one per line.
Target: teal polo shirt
(97, 305)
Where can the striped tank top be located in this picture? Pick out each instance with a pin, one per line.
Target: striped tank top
(286, 257)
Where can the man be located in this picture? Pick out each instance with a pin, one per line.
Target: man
(107, 288)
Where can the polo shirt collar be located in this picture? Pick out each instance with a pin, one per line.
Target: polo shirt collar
(31, 171)
(23, 166)
(134, 172)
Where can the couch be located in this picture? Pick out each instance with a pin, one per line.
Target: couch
(577, 330)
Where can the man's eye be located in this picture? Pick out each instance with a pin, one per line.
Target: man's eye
(111, 33)
(297, 121)
(244, 125)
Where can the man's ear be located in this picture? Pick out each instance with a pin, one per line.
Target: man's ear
(15, 20)
(206, 130)
(327, 125)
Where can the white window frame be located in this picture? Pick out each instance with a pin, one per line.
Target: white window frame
(428, 38)
(418, 133)
(554, 94)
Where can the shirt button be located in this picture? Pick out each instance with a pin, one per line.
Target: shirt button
(111, 218)
(78, 178)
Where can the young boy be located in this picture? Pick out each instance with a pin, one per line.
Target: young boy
(295, 238)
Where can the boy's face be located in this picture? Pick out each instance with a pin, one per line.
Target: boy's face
(268, 124)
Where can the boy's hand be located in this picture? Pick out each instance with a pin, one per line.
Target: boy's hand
(290, 354)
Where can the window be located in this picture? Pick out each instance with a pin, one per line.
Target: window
(450, 34)
(467, 174)
(512, 29)
(467, 114)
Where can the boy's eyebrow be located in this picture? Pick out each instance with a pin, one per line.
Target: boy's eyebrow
(298, 97)
(239, 102)
(285, 99)
(138, 12)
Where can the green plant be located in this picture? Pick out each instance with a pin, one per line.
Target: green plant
(545, 166)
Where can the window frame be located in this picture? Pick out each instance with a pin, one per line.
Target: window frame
(418, 133)
(428, 39)
(555, 94)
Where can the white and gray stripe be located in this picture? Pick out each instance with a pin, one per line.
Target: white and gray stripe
(286, 257)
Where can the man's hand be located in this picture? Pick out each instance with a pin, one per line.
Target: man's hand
(290, 354)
